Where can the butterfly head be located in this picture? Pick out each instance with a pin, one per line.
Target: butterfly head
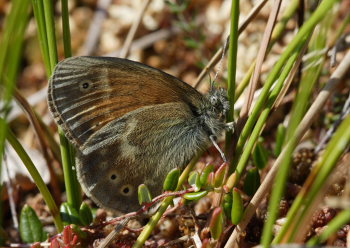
(213, 111)
(219, 102)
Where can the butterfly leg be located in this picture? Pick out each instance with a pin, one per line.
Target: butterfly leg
(230, 126)
(212, 138)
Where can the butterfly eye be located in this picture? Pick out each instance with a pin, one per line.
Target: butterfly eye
(85, 85)
(126, 190)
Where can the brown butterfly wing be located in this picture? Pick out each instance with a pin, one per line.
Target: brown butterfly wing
(87, 93)
(140, 147)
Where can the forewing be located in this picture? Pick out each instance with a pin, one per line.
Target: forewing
(140, 147)
(87, 93)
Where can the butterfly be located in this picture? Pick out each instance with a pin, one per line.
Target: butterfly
(130, 124)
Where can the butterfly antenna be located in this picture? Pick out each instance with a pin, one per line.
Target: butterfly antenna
(220, 65)
(211, 84)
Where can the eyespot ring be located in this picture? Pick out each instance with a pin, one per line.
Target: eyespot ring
(85, 85)
(126, 190)
(113, 176)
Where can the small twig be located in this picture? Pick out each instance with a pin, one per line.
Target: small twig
(344, 113)
(163, 196)
(127, 44)
(291, 76)
(342, 44)
(176, 241)
(95, 27)
(111, 222)
(10, 194)
(108, 240)
(32, 100)
(309, 57)
(216, 58)
(147, 206)
(261, 57)
(346, 193)
(348, 239)
(43, 244)
(42, 141)
(134, 230)
(149, 40)
(296, 246)
(171, 210)
(304, 125)
(196, 239)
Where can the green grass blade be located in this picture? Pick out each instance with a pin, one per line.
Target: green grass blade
(276, 35)
(11, 50)
(10, 55)
(36, 177)
(44, 14)
(310, 76)
(263, 118)
(279, 187)
(66, 30)
(50, 31)
(73, 191)
(232, 61)
(38, 8)
(336, 147)
(305, 30)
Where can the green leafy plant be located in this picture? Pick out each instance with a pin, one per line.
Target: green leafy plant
(31, 228)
